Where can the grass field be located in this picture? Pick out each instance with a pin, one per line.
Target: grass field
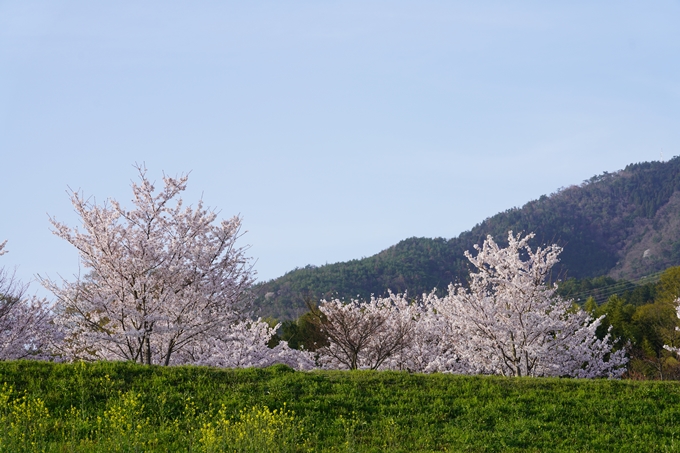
(127, 407)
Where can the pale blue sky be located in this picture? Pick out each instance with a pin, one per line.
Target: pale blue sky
(335, 129)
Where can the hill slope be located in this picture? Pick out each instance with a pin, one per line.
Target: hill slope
(624, 224)
(119, 406)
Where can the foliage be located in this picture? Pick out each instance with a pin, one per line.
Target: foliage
(327, 411)
(597, 287)
(302, 333)
(256, 430)
(644, 319)
(599, 224)
(669, 286)
(24, 422)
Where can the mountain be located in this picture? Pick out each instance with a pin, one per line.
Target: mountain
(624, 225)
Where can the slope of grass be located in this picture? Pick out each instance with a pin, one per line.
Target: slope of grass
(127, 407)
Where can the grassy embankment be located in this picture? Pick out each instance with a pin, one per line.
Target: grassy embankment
(126, 407)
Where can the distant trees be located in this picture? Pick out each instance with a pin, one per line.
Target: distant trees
(26, 328)
(303, 332)
(167, 284)
(509, 322)
(598, 220)
(644, 317)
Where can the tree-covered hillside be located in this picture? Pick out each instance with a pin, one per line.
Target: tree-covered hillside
(622, 224)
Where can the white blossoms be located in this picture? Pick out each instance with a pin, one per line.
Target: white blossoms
(26, 327)
(166, 284)
(508, 322)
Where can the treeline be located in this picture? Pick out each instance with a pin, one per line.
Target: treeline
(641, 317)
(605, 225)
(644, 318)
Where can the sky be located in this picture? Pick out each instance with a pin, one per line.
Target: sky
(335, 129)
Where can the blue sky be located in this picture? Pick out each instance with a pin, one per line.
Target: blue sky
(335, 129)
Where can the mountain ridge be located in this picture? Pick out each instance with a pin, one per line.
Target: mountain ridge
(623, 224)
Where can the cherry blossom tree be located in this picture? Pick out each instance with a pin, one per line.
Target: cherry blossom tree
(26, 328)
(386, 333)
(510, 322)
(365, 335)
(161, 279)
(432, 345)
(245, 345)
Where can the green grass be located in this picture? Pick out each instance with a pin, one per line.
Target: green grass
(127, 407)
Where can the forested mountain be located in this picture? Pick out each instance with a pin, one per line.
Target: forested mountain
(624, 224)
